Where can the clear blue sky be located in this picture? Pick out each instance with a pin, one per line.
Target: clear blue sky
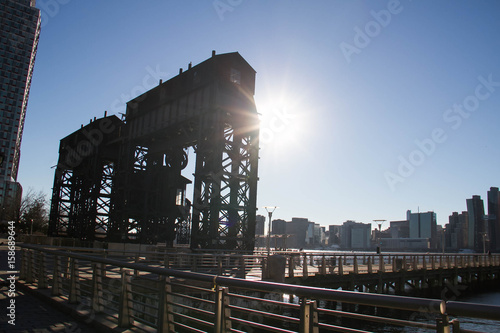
(369, 108)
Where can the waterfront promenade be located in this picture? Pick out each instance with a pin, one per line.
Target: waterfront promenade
(160, 291)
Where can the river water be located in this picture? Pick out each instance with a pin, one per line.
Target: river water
(492, 298)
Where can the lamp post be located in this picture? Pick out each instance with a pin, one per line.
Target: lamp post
(270, 210)
(379, 222)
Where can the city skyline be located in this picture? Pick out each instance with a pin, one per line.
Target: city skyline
(366, 111)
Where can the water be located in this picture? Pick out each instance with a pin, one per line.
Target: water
(491, 298)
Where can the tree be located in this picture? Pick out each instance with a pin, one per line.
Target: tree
(34, 212)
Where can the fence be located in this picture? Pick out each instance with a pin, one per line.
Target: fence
(148, 298)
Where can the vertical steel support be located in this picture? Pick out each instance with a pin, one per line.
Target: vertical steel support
(125, 306)
(308, 316)
(24, 264)
(165, 311)
(222, 310)
(97, 287)
(42, 274)
(370, 268)
(355, 265)
(443, 324)
(341, 266)
(74, 289)
(29, 275)
(56, 277)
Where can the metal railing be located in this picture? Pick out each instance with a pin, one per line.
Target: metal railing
(149, 298)
(298, 264)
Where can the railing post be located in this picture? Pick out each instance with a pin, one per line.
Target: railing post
(308, 316)
(442, 324)
(56, 277)
(29, 273)
(305, 272)
(165, 311)
(242, 267)
(136, 260)
(424, 263)
(355, 264)
(433, 262)
(455, 323)
(370, 268)
(166, 261)
(125, 312)
(42, 276)
(74, 282)
(322, 269)
(222, 311)
(24, 264)
(341, 266)
(291, 266)
(381, 264)
(97, 287)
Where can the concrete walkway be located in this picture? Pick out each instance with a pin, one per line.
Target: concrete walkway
(35, 315)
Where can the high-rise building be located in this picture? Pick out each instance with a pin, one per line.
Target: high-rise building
(20, 29)
(424, 225)
(456, 231)
(355, 235)
(477, 231)
(494, 218)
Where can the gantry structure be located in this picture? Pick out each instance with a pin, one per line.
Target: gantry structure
(120, 180)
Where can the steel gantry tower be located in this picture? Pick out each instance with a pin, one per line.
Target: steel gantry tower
(121, 180)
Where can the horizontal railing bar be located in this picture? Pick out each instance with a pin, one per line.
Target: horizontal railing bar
(185, 286)
(261, 326)
(193, 319)
(187, 307)
(191, 329)
(192, 298)
(268, 314)
(371, 318)
(341, 329)
(472, 310)
(389, 301)
(264, 300)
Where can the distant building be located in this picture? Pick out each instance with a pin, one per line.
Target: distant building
(400, 229)
(477, 226)
(278, 227)
(404, 244)
(260, 222)
(456, 231)
(19, 33)
(494, 218)
(334, 235)
(297, 231)
(424, 225)
(355, 235)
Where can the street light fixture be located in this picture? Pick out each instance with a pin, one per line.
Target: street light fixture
(270, 210)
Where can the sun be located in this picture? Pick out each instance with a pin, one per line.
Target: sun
(282, 126)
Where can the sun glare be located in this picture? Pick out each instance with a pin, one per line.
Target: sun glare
(281, 126)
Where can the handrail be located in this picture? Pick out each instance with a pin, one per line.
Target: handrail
(393, 301)
(433, 306)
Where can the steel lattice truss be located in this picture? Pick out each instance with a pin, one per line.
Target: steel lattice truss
(121, 180)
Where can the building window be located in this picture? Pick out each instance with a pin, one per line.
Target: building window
(235, 76)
